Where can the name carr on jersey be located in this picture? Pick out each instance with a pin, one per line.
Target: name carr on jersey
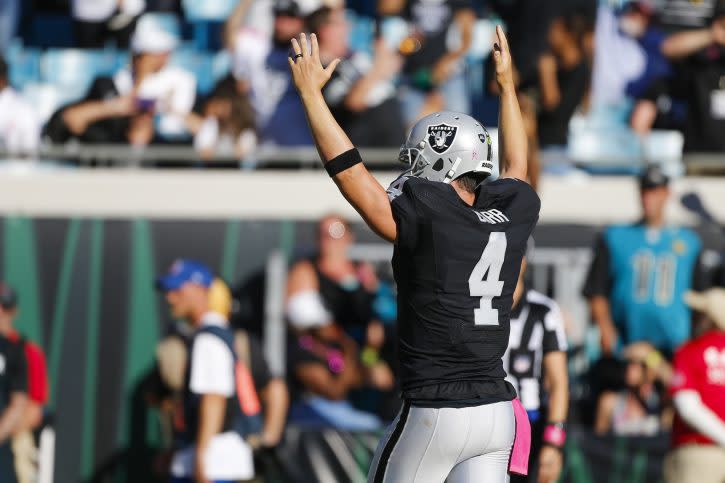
(491, 216)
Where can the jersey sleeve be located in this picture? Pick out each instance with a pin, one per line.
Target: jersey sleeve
(516, 198)
(554, 335)
(402, 202)
(38, 385)
(212, 366)
(684, 371)
(598, 281)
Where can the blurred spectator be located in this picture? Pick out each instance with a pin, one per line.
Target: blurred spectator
(324, 366)
(226, 125)
(13, 399)
(618, 60)
(563, 78)
(9, 17)
(172, 362)
(19, 124)
(24, 447)
(698, 389)
(97, 22)
(345, 288)
(262, 62)
(639, 408)
(272, 389)
(325, 295)
(637, 22)
(639, 273)
(434, 77)
(361, 92)
(677, 15)
(700, 81)
(221, 406)
(535, 362)
(146, 101)
(249, 14)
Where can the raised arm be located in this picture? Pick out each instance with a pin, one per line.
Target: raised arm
(235, 22)
(512, 143)
(356, 184)
(683, 44)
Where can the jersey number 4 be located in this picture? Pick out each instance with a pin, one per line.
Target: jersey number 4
(484, 280)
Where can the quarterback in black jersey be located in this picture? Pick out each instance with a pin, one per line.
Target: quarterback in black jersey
(459, 245)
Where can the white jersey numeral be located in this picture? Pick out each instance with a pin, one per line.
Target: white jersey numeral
(484, 280)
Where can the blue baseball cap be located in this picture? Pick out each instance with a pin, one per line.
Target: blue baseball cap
(183, 271)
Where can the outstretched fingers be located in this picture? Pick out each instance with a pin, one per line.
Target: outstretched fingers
(296, 46)
(331, 67)
(305, 47)
(502, 40)
(315, 47)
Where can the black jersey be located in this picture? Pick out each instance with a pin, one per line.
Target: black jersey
(456, 267)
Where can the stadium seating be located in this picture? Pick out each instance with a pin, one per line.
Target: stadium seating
(362, 32)
(24, 65)
(207, 10)
(73, 70)
(208, 68)
(206, 19)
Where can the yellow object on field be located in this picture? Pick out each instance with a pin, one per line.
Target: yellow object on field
(220, 298)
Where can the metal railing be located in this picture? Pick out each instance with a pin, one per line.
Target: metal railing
(268, 157)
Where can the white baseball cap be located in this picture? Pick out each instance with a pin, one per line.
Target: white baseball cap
(710, 302)
(150, 37)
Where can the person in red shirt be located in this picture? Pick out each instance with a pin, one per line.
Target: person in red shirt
(38, 386)
(698, 392)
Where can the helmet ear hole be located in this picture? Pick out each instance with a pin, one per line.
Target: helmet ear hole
(438, 165)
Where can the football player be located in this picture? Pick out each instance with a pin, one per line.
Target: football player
(458, 251)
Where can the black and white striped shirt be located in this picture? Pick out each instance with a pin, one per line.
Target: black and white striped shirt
(537, 328)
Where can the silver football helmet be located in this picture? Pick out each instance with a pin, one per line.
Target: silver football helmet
(446, 145)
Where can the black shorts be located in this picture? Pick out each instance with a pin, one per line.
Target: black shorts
(7, 463)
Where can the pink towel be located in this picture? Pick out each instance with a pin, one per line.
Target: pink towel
(519, 462)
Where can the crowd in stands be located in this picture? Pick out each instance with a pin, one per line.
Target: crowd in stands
(214, 75)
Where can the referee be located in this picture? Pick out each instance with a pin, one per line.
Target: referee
(535, 361)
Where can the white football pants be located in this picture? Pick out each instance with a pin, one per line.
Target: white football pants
(452, 445)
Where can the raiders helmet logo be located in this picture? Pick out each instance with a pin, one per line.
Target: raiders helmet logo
(441, 136)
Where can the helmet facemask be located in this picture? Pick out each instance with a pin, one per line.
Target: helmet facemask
(446, 145)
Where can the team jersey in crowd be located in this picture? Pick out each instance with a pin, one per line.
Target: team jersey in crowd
(699, 365)
(537, 328)
(644, 272)
(456, 267)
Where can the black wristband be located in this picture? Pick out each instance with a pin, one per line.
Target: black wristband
(340, 163)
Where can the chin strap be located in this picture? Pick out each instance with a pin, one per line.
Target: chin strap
(452, 172)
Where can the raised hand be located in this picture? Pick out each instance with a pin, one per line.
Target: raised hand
(307, 71)
(502, 59)
(718, 30)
